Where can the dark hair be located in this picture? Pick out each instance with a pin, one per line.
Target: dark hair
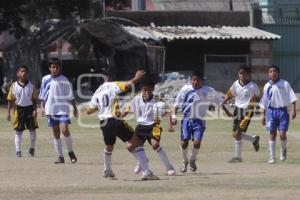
(22, 67)
(275, 67)
(54, 60)
(198, 74)
(245, 68)
(108, 72)
(147, 82)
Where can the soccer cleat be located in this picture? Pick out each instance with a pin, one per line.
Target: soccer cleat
(171, 172)
(149, 176)
(183, 167)
(283, 154)
(72, 157)
(60, 160)
(235, 160)
(18, 154)
(109, 174)
(256, 143)
(193, 166)
(272, 161)
(31, 152)
(137, 168)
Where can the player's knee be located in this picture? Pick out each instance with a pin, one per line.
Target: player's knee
(184, 144)
(197, 146)
(130, 147)
(155, 146)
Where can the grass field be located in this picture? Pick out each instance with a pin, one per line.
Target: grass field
(38, 178)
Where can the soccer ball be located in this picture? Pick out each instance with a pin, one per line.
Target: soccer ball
(159, 109)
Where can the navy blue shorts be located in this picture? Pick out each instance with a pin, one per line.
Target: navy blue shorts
(56, 120)
(277, 119)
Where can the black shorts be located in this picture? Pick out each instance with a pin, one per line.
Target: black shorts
(148, 132)
(23, 119)
(242, 118)
(113, 128)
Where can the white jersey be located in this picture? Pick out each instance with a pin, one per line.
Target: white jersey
(277, 95)
(56, 92)
(147, 113)
(22, 95)
(243, 94)
(106, 99)
(195, 103)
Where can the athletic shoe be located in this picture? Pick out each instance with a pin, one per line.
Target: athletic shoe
(72, 157)
(272, 161)
(256, 143)
(60, 160)
(149, 176)
(193, 166)
(183, 167)
(283, 154)
(18, 154)
(235, 160)
(137, 168)
(31, 152)
(171, 172)
(108, 174)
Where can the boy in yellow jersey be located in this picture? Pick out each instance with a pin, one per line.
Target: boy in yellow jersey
(148, 111)
(22, 97)
(105, 100)
(246, 95)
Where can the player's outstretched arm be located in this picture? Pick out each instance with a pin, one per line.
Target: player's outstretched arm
(90, 110)
(75, 110)
(137, 77)
(293, 110)
(169, 118)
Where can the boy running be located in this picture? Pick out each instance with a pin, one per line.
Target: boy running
(194, 100)
(148, 111)
(246, 94)
(56, 94)
(277, 96)
(22, 97)
(106, 101)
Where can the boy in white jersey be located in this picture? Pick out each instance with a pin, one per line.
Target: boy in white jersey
(56, 94)
(106, 101)
(194, 100)
(148, 111)
(277, 96)
(22, 97)
(245, 93)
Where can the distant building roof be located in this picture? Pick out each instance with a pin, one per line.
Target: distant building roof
(203, 32)
(203, 5)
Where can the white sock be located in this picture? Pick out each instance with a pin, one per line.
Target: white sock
(184, 153)
(238, 148)
(133, 153)
(69, 143)
(58, 147)
(283, 144)
(164, 158)
(142, 158)
(248, 137)
(32, 139)
(272, 147)
(107, 159)
(194, 153)
(18, 140)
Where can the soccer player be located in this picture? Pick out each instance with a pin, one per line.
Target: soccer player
(148, 111)
(277, 96)
(56, 94)
(194, 100)
(22, 97)
(246, 94)
(106, 100)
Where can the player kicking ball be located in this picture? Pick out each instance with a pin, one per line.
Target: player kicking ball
(194, 100)
(148, 111)
(246, 95)
(56, 94)
(106, 100)
(22, 97)
(277, 96)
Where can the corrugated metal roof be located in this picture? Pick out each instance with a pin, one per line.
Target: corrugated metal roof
(204, 5)
(203, 32)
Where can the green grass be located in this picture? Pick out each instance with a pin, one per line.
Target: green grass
(38, 178)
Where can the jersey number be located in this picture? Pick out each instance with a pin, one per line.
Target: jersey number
(105, 100)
